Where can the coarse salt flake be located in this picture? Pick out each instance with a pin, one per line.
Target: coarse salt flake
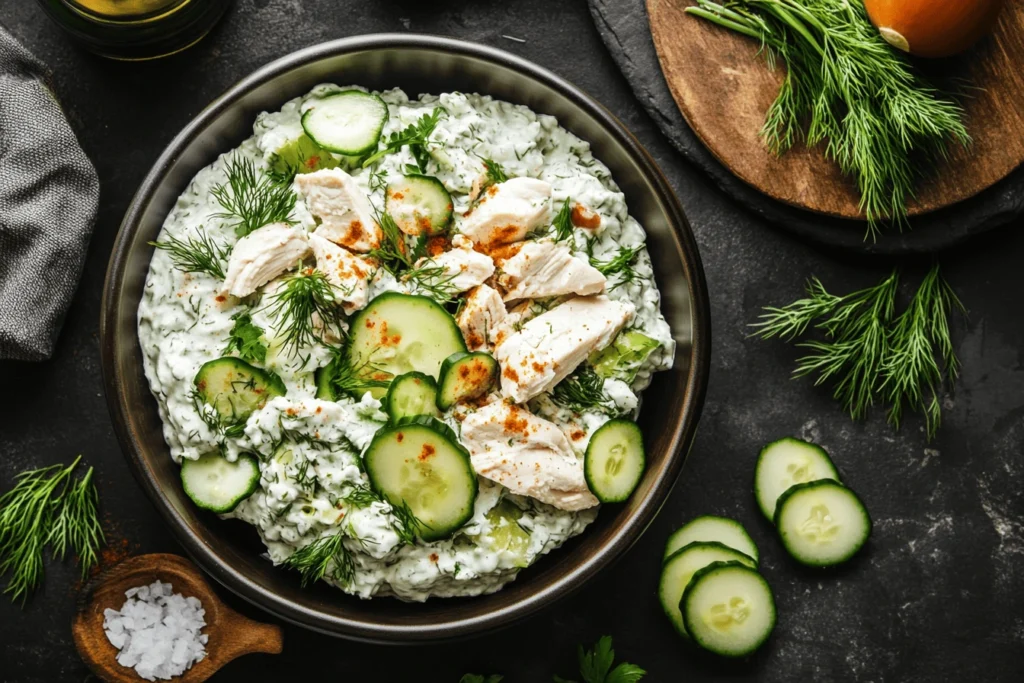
(157, 631)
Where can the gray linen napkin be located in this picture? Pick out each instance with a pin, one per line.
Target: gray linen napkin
(48, 197)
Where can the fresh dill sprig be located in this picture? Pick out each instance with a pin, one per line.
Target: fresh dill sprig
(312, 560)
(416, 136)
(246, 339)
(361, 496)
(582, 390)
(868, 352)
(847, 87)
(305, 306)
(495, 173)
(435, 281)
(621, 264)
(563, 222)
(354, 378)
(252, 199)
(407, 525)
(196, 254)
(392, 253)
(47, 506)
(378, 180)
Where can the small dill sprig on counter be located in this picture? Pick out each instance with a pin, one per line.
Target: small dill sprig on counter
(304, 306)
(246, 339)
(582, 390)
(47, 506)
(869, 353)
(251, 198)
(312, 561)
(195, 253)
(415, 135)
(880, 120)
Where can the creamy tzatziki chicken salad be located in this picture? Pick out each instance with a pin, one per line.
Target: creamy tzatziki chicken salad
(404, 339)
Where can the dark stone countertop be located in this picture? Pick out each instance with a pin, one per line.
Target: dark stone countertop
(937, 596)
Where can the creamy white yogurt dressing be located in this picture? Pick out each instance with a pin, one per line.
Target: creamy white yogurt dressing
(184, 322)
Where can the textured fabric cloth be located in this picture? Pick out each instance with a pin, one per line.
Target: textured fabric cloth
(48, 197)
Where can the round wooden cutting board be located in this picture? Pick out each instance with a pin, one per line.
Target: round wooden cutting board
(723, 88)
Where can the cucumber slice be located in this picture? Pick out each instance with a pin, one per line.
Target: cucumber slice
(301, 155)
(784, 463)
(418, 464)
(728, 609)
(679, 569)
(410, 395)
(465, 376)
(236, 389)
(615, 461)
(400, 333)
(623, 357)
(709, 528)
(506, 535)
(347, 122)
(822, 523)
(420, 205)
(323, 378)
(217, 485)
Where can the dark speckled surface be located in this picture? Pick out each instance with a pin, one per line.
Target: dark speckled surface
(937, 596)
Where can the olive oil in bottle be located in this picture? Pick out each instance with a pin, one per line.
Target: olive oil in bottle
(135, 29)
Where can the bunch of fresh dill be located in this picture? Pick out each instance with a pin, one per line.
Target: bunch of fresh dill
(869, 353)
(305, 307)
(251, 198)
(197, 253)
(47, 507)
(847, 87)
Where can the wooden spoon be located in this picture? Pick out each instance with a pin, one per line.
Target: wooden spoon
(230, 634)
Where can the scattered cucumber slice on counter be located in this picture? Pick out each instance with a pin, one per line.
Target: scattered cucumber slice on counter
(420, 205)
(615, 460)
(466, 376)
(710, 528)
(419, 465)
(410, 395)
(787, 462)
(236, 389)
(217, 485)
(347, 122)
(728, 609)
(624, 356)
(822, 523)
(680, 568)
(400, 333)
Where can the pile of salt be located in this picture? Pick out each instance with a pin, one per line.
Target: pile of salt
(157, 631)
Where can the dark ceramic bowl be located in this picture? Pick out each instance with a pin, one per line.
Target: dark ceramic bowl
(229, 550)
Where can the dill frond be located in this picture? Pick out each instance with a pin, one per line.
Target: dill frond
(252, 199)
(305, 306)
(392, 253)
(562, 225)
(416, 136)
(582, 390)
(196, 254)
(313, 560)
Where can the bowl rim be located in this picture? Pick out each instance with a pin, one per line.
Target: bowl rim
(694, 389)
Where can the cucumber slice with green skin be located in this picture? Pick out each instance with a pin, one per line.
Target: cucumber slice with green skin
(236, 389)
(615, 461)
(787, 462)
(411, 395)
(348, 122)
(400, 333)
(680, 568)
(822, 523)
(710, 528)
(420, 205)
(217, 485)
(301, 155)
(419, 464)
(728, 609)
(466, 376)
(623, 357)
(506, 535)
(323, 377)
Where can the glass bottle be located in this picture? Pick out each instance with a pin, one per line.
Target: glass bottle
(135, 29)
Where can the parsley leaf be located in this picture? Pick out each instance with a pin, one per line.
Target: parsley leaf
(596, 666)
(246, 339)
(415, 136)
